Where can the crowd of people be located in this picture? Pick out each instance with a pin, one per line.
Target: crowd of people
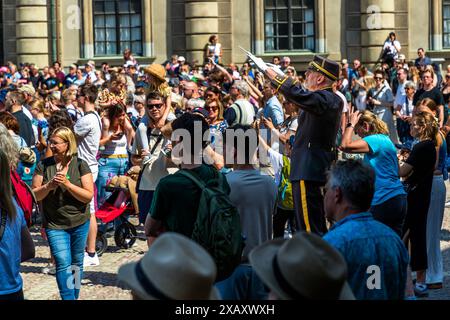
(331, 171)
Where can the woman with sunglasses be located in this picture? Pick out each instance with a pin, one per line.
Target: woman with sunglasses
(65, 186)
(217, 124)
(382, 101)
(114, 143)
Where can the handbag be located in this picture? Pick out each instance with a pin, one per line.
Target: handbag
(138, 182)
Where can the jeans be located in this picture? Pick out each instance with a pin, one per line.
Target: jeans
(392, 213)
(243, 284)
(67, 247)
(107, 169)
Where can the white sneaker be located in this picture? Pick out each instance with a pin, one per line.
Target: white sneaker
(90, 261)
(447, 204)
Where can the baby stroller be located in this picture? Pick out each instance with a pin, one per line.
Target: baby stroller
(113, 216)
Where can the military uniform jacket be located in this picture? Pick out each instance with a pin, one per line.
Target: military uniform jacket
(315, 142)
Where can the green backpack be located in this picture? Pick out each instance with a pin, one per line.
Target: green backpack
(285, 198)
(218, 225)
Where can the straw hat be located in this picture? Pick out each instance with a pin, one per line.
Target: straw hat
(27, 88)
(305, 266)
(175, 268)
(157, 71)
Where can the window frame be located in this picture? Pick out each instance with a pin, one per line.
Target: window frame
(445, 45)
(290, 7)
(117, 15)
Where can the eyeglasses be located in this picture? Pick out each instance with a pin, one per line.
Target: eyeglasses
(152, 106)
(378, 78)
(211, 108)
(53, 143)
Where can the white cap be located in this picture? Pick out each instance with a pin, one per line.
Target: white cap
(181, 58)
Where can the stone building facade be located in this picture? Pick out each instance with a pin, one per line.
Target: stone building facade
(42, 31)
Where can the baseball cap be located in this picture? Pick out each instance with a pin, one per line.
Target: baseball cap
(181, 58)
(201, 111)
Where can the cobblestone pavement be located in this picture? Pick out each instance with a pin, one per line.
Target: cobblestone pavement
(100, 283)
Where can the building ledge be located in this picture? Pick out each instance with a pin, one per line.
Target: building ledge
(116, 61)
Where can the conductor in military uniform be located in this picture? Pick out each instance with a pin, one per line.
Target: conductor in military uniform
(314, 148)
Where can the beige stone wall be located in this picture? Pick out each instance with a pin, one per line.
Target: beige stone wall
(32, 39)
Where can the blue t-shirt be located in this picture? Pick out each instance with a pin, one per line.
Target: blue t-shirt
(10, 254)
(383, 159)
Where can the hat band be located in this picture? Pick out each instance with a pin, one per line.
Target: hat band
(322, 70)
(147, 285)
(283, 283)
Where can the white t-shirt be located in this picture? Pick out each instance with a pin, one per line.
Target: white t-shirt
(344, 100)
(400, 96)
(255, 197)
(88, 131)
(27, 113)
(392, 49)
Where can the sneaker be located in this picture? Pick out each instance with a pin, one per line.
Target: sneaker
(421, 290)
(49, 269)
(90, 261)
(447, 204)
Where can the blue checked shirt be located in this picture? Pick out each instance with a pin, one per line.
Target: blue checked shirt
(369, 246)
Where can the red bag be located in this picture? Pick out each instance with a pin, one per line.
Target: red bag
(23, 196)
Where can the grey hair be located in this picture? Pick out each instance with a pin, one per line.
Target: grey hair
(410, 84)
(9, 146)
(356, 181)
(195, 103)
(242, 87)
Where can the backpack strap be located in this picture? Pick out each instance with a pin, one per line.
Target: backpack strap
(3, 223)
(240, 112)
(194, 178)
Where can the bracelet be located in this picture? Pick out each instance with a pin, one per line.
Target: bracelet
(350, 126)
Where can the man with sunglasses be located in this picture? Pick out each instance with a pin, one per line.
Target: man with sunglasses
(429, 90)
(147, 152)
(315, 144)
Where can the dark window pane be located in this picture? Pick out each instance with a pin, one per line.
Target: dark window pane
(282, 15)
(283, 29)
(298, 43)
(296, 3)
(283, 43)
(309, 4)
(98, 6)
(297, 15)
(270, 3)
(135, 6)
(297, 29)
(110, 7)
(282, 3)
(124, 7)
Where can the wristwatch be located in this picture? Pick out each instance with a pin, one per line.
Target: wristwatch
(350, 126)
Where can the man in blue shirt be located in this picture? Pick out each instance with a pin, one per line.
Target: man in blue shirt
(422, 61)
(376, 256)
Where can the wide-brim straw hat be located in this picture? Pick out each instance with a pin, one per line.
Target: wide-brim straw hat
(175, 268)
(304, 267)
(157, 71)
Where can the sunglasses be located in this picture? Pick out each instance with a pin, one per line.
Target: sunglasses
(211, 108)
(152, 106)
(378, 78)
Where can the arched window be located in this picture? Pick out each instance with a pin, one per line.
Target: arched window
(289, 25)
(117, 26)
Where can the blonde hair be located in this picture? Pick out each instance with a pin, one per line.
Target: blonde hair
(68, 136)
(376, 126)
(39, 104)
(369, 82)
(430, 125)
